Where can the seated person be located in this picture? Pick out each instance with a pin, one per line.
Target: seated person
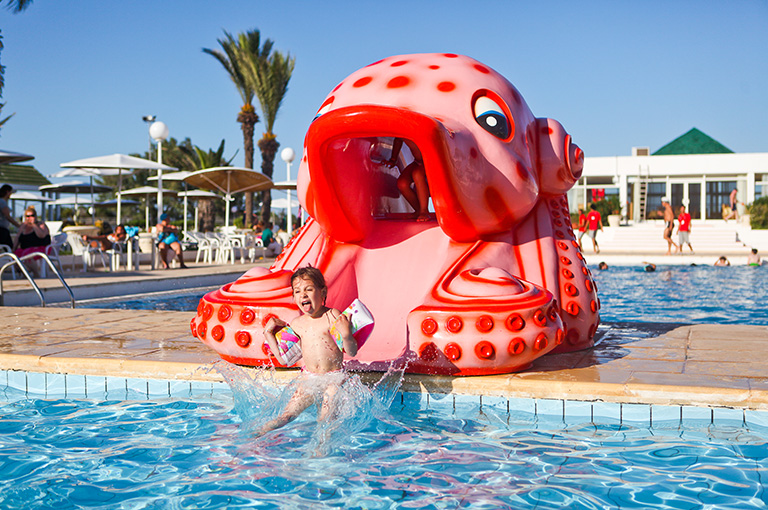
(107, 241)
(269, 242)
(412, 175)
(33, 237)
(168, 236)
(753, 259)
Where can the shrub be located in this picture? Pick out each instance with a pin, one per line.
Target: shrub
(758, 212)
(609, 205)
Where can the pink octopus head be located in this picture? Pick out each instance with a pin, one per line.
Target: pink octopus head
(487, 159)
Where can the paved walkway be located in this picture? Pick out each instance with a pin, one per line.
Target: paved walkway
(705, 365)
(702, 365)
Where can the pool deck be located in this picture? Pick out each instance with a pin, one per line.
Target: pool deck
(699, 365)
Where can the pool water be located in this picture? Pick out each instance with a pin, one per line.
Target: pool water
(684, 294)
(380, 452)
(677, 294)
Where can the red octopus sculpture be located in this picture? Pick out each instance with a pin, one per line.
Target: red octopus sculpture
(485, 281)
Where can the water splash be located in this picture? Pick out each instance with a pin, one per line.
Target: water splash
(259, 398)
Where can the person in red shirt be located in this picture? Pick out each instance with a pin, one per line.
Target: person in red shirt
(684, 229)
(582, 226)
(594, 221)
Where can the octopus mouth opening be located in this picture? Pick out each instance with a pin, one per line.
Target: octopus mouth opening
(399, 183)
(370, 163)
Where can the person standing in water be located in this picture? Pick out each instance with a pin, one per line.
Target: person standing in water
(322, 356)
(412, 176)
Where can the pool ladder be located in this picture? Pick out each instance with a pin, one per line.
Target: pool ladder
(18, 262)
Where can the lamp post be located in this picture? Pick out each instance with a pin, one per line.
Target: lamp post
(149, 119)
(159, 132)
(287, 155)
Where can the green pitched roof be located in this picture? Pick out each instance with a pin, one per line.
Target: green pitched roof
(693, 142)
(21, 175)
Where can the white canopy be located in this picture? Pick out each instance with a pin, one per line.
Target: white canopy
(14, 157)
(117, 162)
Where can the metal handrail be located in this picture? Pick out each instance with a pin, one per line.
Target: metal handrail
(16, 261)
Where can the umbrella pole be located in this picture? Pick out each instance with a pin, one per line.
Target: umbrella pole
(93, 206)
(146, 215)
(185, 207)
(229, 199)
(119, 192)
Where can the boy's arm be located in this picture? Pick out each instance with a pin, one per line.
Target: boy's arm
(344, 328)
(269, 333)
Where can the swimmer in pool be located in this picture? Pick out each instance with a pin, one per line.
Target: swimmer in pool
(322, 357)
(753, 259)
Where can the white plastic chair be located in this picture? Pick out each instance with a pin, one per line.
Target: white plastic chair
(84, 250)
(204, 246)
(52, 250)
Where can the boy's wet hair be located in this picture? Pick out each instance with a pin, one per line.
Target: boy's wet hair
(312, 274)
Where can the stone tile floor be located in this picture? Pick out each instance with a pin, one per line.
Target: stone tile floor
(663, 364)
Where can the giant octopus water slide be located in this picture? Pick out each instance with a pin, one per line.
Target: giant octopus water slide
(493, 280)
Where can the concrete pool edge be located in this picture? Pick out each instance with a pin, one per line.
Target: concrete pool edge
(510, 386)
(697, 365)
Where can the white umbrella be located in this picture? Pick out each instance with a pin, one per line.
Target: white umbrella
(147, 191)
(195, 194)
(229, 180)
(84, 172)
(29, 196)
(72, 201)
(13, 157)
(177, 176)
(119, 162)
(282, 203)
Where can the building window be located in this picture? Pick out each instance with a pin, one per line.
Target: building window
(718, 195)
(653, 209)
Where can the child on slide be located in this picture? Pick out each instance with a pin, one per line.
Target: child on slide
(322, 356)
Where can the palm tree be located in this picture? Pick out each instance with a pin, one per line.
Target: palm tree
(235, 53)
(269, 78)
(16, 6)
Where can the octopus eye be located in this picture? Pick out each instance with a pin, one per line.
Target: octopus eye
(325, 108)
(492, 117)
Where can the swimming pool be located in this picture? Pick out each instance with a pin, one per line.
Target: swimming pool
(678, 294)
(684, 294)
(386, 450)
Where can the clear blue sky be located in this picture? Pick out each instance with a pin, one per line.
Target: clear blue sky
(81, 73)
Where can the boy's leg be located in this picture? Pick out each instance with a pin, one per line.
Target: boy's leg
(298, 403)
(422, 191)
(404, 185)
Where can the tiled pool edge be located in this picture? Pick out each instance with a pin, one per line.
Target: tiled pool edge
(509, 386)
(16, 384)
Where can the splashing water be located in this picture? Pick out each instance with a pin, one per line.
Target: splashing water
(259, 398)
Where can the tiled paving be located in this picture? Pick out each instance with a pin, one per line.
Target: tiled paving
(662, 364)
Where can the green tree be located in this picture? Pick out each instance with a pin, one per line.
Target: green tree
(269, 78)
(246, 47)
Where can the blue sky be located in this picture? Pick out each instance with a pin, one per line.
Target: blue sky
(81, 73)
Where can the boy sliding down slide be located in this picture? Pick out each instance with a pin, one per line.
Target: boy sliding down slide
(322, 356)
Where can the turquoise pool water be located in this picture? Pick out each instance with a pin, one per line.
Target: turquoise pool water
(384, 450)
(679, 294)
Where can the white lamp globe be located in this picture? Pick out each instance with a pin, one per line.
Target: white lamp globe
(158, 131)
(287, 155)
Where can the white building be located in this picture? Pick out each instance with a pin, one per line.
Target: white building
(693, 170)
